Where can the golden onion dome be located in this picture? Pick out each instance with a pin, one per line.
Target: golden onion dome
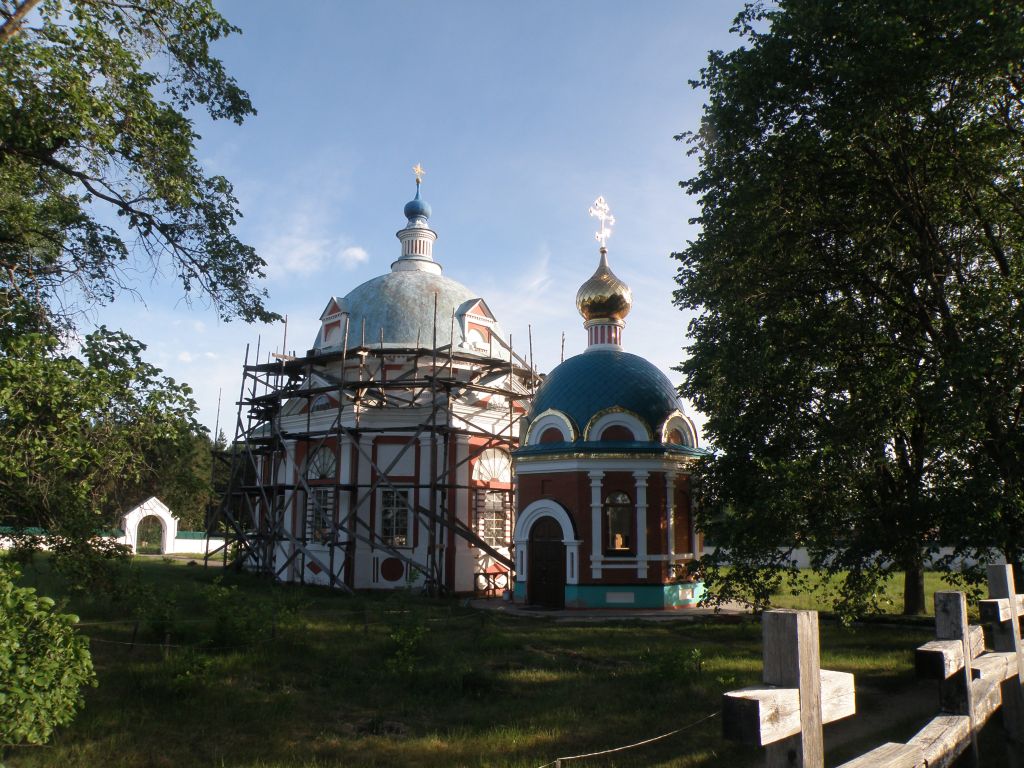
(604, 295)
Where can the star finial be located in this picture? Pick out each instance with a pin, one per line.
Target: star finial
(600, 211)
(420, 173)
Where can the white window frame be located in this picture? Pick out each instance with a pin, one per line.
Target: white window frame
(322, 464)
(481, 521)
(319, 513)
(390, 536)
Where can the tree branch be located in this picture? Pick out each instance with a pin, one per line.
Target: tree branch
(12, 25)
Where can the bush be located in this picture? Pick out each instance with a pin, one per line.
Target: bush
(43, 663)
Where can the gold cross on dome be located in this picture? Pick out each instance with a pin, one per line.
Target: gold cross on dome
(600, 211)
(420, 173)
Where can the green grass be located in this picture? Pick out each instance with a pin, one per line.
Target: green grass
(818, 593)
(397, 680)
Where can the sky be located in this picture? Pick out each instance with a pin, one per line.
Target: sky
(522, 114)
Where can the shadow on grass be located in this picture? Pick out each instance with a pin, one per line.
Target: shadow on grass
(398, 680)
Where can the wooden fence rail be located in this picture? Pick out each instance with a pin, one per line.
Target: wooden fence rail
(786, 714)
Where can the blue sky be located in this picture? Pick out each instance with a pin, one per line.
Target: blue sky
(521, 113)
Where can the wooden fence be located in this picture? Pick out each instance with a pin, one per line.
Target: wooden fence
(786, 714)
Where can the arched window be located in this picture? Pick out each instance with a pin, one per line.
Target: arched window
(322, 403)
(618, 523)
(493, 464)
(323, 465)
(617, 433)
(552, 435)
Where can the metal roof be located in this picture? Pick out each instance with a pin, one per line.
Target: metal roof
(402, 304)
(600, 379)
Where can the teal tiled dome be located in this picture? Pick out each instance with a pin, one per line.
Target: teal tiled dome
(599, 379)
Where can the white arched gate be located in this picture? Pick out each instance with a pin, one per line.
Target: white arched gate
(151, 507)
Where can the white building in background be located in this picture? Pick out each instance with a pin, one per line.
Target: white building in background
(382, 457)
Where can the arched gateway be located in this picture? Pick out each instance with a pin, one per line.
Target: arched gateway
(151, 507)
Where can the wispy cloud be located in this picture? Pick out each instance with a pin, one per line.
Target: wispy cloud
(353, 256)
(304, 248)
(185, 356)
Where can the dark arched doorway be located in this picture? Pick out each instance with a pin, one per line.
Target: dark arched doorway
(545, 580)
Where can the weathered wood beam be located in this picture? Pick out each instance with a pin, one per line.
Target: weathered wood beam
(1003, 611)
(792, 660)
(939, 659)
(943, 740)
(955, 692)
(998, 665)
(997, 609)
(764, 714)
(986, 696)
(889, 755)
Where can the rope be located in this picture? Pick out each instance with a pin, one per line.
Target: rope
(694, 724)
(200, 644)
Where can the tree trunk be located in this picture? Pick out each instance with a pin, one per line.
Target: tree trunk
(913, 590)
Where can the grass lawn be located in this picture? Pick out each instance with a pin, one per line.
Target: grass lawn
(890, 599)
(294, 676)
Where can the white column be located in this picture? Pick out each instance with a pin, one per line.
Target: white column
(460, 500)
(596, 529)
(641, 523)
(670, 522)
(345, 499)
(422, 498)
(365, 567)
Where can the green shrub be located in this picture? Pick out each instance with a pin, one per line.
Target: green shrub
(43, 663)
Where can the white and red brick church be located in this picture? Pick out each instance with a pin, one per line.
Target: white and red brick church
(411, 445)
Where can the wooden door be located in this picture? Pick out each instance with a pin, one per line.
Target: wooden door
(545, 581)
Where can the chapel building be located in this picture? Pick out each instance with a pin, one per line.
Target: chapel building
(603, 473)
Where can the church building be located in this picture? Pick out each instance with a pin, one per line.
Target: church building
(383, 454)
(382, 458)
(603, 480)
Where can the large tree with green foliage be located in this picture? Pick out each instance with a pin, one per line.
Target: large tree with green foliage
(859, 276)
(99, 181)
(94, 104)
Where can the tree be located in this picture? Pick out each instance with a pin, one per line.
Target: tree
(93, 115)
(43, 664)
(99, 182)
(82, 428)
(178, 472)
(94, 129)
(859, 273)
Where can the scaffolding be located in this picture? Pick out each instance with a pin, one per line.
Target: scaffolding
(433, 397)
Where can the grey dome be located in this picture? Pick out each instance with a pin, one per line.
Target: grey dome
(402, 304)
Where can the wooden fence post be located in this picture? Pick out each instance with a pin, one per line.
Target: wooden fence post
(791, 660)
(785, 714)
(1002, 611)
(955, 690)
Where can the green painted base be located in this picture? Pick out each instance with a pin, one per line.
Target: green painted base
(683, 595)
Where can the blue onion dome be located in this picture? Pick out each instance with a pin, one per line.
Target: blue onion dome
(600, 379)
(417, 208)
